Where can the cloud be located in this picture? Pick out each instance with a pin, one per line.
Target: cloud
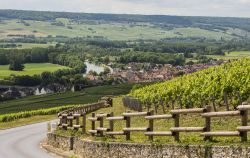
(235, 8)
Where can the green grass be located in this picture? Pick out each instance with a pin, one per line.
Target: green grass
(88, 95)
(231, 55)
(192, 120)
(30, 69)
(26, 121)
(112, 30)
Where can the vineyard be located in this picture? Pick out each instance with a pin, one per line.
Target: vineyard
(201, 88)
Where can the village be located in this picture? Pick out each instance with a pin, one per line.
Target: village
(147, 72)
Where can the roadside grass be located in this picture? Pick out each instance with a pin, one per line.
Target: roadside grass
(30, 69)
(218, 124)
(27, 121)
(88, 95)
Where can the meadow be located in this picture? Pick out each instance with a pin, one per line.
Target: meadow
(30, 69)
(231, 55)
(109, 30)
(88, 95)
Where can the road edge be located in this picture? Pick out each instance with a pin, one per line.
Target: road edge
(58, 152)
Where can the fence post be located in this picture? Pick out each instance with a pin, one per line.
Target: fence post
(244, 118)
(70, 120)
(77, 122)
(128, 121)
(101, 125)
(111, 122)
(208, 123)
(176, 124)
(151, 125)
(93, 124)
(65, 121)
(84, 122)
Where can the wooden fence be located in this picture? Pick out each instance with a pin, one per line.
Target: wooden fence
(85, 109)
(205, 131)
(68, 116)
(132, 103)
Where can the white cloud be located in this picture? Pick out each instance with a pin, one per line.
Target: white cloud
(238, 8)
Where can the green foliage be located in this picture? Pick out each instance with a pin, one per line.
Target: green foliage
(25, 114)
(232, 77)
(16, 63)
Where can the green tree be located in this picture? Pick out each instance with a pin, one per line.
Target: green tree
(16, 63)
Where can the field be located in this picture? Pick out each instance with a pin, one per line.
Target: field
(30, 69)
(231, 55)
(88, 95)
(110, 30)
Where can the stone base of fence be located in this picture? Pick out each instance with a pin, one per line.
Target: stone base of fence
(92, 149)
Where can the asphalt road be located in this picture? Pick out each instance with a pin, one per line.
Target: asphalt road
(24, 142)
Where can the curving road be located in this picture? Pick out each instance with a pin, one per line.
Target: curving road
(24, 142)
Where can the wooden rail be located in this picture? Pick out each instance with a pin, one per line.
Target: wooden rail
(66, 122)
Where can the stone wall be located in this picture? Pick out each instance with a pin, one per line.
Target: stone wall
(62, 142)
(90, 149)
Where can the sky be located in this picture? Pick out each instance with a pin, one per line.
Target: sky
(223, 8)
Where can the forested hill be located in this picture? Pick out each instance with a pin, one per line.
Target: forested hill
(202, 22)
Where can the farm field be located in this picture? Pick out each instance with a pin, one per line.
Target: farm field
(231, 55)
(30, 69)
(109, 30)
(88, 95)
(34, 45)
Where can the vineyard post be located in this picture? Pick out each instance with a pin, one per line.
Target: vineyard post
(176, 124)
(93, 124)
(155, 105)
(239, 98)
(202, 101)
(128, 120)
(213, 101)
(208, 122)
(244, 118)
(162, 104)
(147, 105)
(172, 101)
(226, 101)
(151, 125)
(84, 122)
(180, 102)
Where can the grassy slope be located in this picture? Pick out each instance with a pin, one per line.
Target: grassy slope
(231, 55)
(30, 69)
(88, 95)
(114, 31)
(218, 124)
(26, 121)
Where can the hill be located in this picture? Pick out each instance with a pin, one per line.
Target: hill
(196, 89)
(119, 26)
